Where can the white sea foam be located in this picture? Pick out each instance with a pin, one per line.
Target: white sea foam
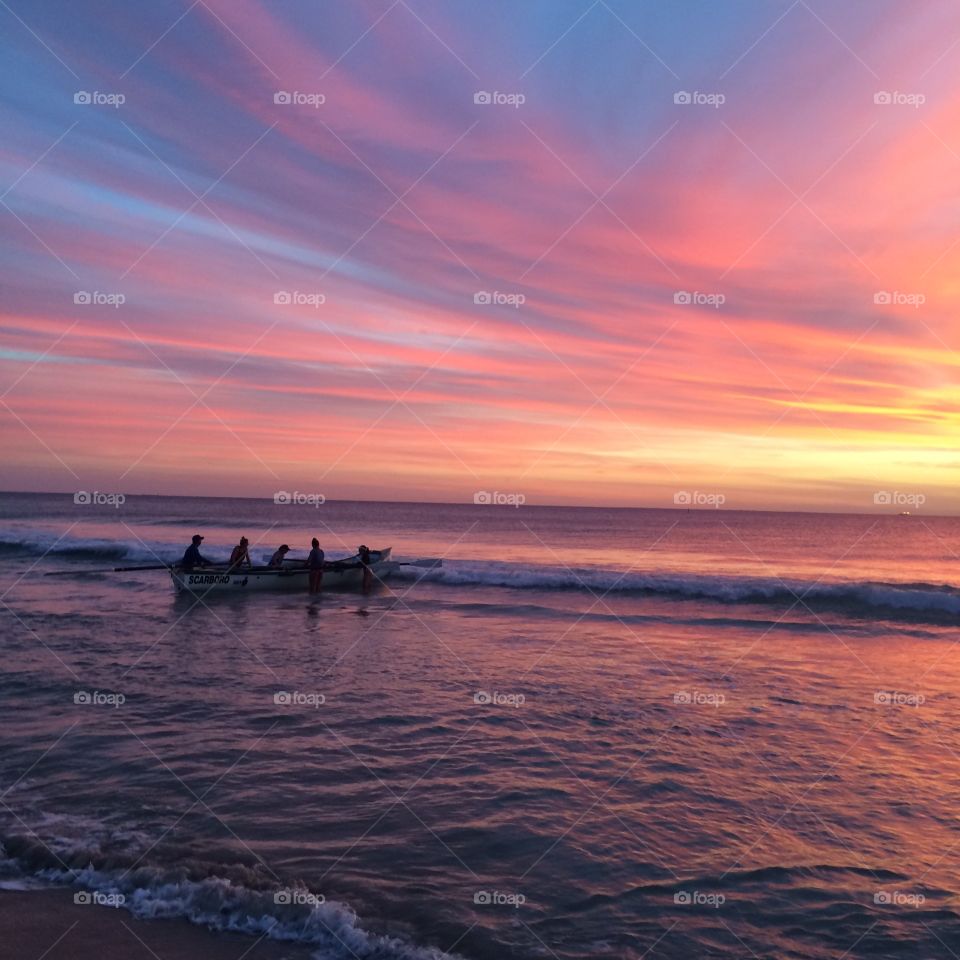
(851, 596)
(222, 904)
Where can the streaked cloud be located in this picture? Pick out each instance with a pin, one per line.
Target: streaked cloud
(758, 295)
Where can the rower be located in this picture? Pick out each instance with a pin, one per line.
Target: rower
(191, 556)
(240, 555)
(277, 559)
(315, 566)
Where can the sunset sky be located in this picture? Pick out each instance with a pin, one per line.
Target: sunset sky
(809, 196)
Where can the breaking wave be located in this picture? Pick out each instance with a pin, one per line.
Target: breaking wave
(205, 894)
(921, 601)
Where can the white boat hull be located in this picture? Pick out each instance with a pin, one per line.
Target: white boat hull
(218, 580)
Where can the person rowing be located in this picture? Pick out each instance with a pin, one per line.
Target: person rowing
(277, 559)
(241, 555)
(315, 566)
(192, 557)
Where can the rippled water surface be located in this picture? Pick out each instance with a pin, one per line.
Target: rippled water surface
(590, 733)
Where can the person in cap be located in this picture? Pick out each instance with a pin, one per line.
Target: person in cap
(277, 559)
(191, 556)
(241, 555)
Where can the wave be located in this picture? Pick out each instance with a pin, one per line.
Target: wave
(919, 601)
(47, 544)
(253, 905)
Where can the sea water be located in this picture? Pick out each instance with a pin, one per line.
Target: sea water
(589, 733)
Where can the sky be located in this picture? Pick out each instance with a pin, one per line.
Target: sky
(622, 252)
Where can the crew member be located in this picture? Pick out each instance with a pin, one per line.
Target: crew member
(277, 559)
(241, 555)
(191, 556)
(315, 566)
(363, 552)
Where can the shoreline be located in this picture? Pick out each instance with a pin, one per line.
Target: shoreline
(47, 923)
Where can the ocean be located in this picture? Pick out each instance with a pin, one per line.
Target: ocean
(589, 733)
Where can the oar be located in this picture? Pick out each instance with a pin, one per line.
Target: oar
(432, 562)
(84, 573)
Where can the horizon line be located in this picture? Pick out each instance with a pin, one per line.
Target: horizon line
(551, 506)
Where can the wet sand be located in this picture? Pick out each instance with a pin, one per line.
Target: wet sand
(48, 924)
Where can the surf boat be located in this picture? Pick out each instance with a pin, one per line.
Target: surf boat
(293, 575)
